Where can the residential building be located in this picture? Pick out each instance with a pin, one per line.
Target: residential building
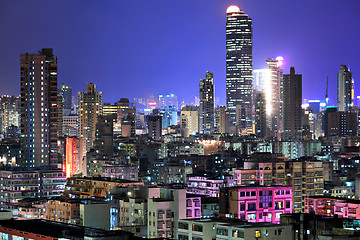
(206, 104)
(70, 125)
(39, 109)
(32, 208)
(155, 127)
(104, 143)
(345, 89)
(311, 226)
(256, 203)
(18, 184)
(189, 121)
(165, 208)
(342, 124)
(274, 94)
(306, 177)
(87, 187)
(42, 229)
(225, 228)
(330, 206)
(221, 119)
(206, 185)
(292, 111)
(10, 113)
(66, 96)
(260, 115)
(90, 107)
(63, 210)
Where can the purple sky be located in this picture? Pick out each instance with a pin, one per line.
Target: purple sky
(132, 48)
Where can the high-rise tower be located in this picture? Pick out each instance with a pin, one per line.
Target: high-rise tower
(274, 94)
(292, 112)
(39, 108)
(206, 105)
(66, 93)
(344, 89)
(260, 115)
(90, 107)
(239, 64)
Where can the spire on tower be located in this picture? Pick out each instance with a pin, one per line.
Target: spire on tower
(326, 95)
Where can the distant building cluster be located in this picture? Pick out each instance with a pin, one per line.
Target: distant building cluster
(268, 165)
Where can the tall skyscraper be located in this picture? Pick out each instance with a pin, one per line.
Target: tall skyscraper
(292, 105)
(274, 94)
(206, 105)
(39, 108)
(239, 64)
(260, 115)
(344, 89)
(66, 92)
(90, 107)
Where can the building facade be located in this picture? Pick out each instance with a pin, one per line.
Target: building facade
(206, 104)
(18, 185)
(256, 204)
(189, 121)
(90, 107)
(330, 206)
(344, 89)
(39, 108)
(292, 112)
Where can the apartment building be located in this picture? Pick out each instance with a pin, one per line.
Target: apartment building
(256, 204)
(331, 206)
(86, 187)
(305, 176)
(17, 185)
(223, 229)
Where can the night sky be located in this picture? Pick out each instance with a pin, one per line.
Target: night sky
(133, 48)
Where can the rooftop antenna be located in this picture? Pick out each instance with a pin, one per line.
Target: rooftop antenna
(327, 87)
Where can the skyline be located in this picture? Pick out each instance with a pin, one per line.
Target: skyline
(186, 44)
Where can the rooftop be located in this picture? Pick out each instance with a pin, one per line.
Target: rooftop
(103, 179)
(58, 230)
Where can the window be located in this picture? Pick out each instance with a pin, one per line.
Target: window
(251, 206)
(183, 225)
(197, 227)
(251, 216)
(278, 205)
(242, 206)
(222, 231)
(238, 234)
